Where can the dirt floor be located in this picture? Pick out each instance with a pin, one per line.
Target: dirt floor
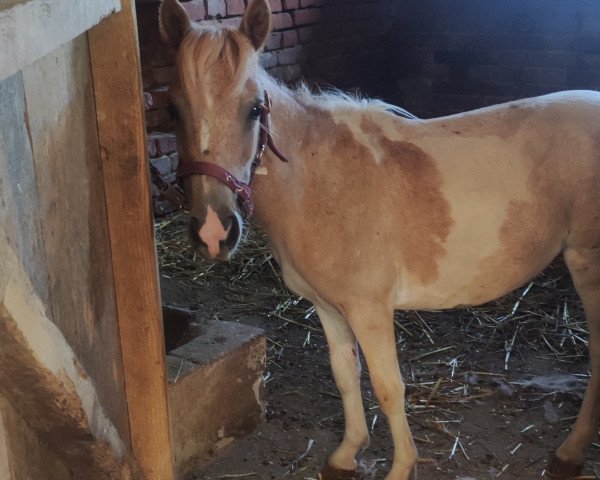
(491, 391)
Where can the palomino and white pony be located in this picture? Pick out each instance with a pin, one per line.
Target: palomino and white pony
(374, 212)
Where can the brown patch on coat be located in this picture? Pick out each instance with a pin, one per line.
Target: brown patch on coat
(535, 228)
(531, 236)
(423, 212)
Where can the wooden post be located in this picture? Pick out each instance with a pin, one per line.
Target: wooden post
(117, 88)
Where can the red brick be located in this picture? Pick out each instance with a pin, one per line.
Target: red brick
(282, 20)
(290, 38)
(160, 98)
(274, 41)
(147, 78)
(291, 4)
(195, 9)
(276, 6)
(160, 55)
(232, 22)
(235, 7)
(158, 119)
(308, 16)
(312, 3)
(163, 75)
(216, 8)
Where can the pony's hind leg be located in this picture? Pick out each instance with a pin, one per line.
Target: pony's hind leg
(374, 328)
(584, 266)
(345, 364)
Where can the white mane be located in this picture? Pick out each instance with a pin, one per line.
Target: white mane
(338, 99)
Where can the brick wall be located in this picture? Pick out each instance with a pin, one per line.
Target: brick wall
(446, 57)
(323, 41)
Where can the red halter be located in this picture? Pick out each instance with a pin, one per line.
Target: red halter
(241, 189)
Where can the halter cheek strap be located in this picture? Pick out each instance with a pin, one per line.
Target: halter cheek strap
(241, 189)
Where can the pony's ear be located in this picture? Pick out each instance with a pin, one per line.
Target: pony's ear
(173, 21)
(256, 24)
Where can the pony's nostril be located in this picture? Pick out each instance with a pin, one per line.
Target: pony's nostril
(195, 224)
(229, 221)
(233, 225)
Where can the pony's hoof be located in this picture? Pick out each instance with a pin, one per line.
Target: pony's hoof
(560, 470)
(332, 473)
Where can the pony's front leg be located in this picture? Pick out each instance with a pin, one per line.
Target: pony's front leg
(374, 328)
(345, 364)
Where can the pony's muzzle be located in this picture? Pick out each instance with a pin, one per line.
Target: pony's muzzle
(217, 235)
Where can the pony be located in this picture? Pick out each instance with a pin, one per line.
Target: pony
(368, 211)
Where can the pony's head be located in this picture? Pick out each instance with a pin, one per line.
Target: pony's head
(217, 102)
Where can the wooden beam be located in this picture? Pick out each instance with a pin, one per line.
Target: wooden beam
(119, 104)
(30, 29)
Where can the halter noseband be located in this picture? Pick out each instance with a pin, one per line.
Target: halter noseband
(240, 189)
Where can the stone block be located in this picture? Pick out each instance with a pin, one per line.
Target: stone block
(216, 391)
(166, 143)
(162, 164)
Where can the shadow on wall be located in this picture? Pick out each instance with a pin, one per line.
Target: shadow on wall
(446, 57)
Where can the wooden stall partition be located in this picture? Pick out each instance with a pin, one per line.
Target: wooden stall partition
(82, 376)
(118, 92)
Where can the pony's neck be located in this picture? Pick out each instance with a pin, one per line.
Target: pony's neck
(278, 188)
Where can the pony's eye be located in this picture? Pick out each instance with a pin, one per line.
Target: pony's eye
(172, 111)
(256, 112)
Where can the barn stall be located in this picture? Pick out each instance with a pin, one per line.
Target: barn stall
(492, 389)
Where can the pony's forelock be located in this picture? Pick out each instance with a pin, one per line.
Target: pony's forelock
(203, 48)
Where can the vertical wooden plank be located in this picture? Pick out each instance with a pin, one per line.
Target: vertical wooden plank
(117, 89)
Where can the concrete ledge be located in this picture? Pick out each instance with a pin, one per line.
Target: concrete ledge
(216, 391)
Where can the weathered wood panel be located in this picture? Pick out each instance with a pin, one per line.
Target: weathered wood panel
(117, 86)
(44, 381)
(30, 29)
(26, 456)
(72, 214)
(5, 473)
(18, 198)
